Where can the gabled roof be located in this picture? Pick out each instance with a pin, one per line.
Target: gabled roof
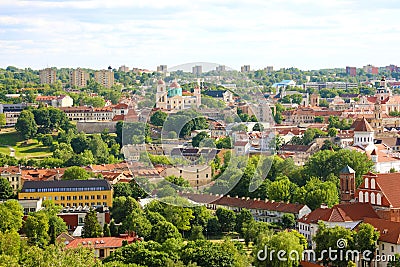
(389, 231)
(348, 212)
(362, 125)
(237, 202)
(347, 169)
(389, 183)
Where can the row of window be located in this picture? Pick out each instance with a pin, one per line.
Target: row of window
(82, 204)
(75, 197)
(64, 189)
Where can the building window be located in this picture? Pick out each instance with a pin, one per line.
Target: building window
(392, 248)
(98, 197)
(383, 246)
(68, 197)
(86, 197)
(104, 196)
(91, 197)
(74, 197)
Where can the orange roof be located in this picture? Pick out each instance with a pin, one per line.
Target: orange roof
(347, 212)
(45, 98)
(100, 242)
(362, 125)
(247, 203)
(389, 231)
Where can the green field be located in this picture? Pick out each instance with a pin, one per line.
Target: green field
(23, 149)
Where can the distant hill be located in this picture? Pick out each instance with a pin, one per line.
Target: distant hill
(207, 66)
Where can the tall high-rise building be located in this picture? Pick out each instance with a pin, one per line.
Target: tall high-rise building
(197, 70)
(220, 68)
(352, 71)
(162, 68)
(245, 68)
(48, 76)
(78, 78)
(123, 68)
(269, 69)
(371, 69)
(105, 77)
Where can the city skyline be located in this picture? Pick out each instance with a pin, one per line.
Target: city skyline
(307, 34)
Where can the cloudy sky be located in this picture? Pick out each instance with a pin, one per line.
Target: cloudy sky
(308, 34)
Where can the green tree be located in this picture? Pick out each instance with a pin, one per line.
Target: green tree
(225, 142)
(99, 149)
(227, 219)
(318, 192)
(113, 228)
(242, 218)
(79, 143)
(56, 227)
(196, 233)
(75, 173)
(26, 124)
(258, 127)
(318, 119)
(36, 228)
(11, 214)
(123, 207)
(6, 190)
(122, 189)
(365, 239)
(332, 132)
(2, 120)
(137, 223)
(91, 226)
(165, 230)
(325, 162)
(282, 189)
(179, 181)
(288, 220)
(106, 230)
(198, 138)
(282, 241)
(158, 118)
(205, 253)
(328, 237)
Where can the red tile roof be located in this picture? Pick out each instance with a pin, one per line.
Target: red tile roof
(237, 202)
(389, 231)
(362, 125)
(100, 242)
(347, 212)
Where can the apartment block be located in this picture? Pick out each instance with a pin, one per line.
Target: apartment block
(105, 77)
(162, 68)
(197, 70)
(78, 78)
(245, 68)
(352, 71)
(48, 76)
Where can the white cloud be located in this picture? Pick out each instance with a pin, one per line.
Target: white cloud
(304, 33)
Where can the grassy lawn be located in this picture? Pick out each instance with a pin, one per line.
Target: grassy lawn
(23, 149)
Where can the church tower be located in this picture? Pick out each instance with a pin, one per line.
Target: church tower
(377, 122)
(364, 134)
(347, 184)
(161, 95)
(197, 94)
(383, 91)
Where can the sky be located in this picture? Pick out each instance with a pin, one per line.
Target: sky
(308, 34)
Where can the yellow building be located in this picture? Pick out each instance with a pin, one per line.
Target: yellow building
(70, 193)
(105, 77)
